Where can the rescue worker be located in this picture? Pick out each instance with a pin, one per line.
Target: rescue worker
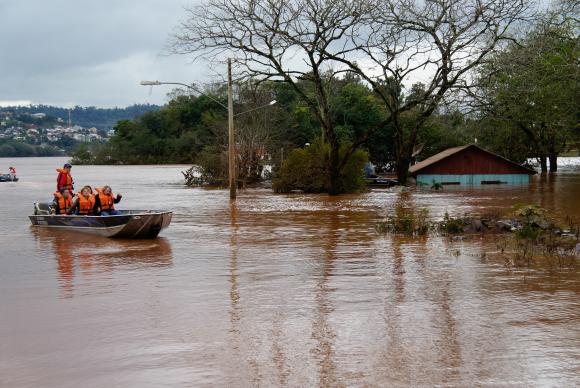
(62, 202)
(12, 172)
(84, 203)
(64, 179)
(105, 201)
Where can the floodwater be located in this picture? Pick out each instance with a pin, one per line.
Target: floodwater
(277, 290)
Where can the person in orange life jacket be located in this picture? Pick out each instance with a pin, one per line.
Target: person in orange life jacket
(62, 202)
(84, 203)
(64, 179)
(12, 172)
(105, 201)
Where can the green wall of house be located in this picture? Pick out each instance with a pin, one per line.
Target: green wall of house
(473, 179)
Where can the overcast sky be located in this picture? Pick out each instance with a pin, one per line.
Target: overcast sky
(69, 52)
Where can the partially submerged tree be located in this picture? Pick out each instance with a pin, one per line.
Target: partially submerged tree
(439, 42)
(280, 41)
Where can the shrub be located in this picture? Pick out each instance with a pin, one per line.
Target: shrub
(306, 169)
(528, 232)
(406, 221)
(532, 215)
(451, 225)
(211, 168)
(534, 222)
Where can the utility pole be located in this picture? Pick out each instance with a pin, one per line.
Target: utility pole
(230, 108)
(231, 136)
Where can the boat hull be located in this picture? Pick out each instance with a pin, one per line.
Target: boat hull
(8, 178)
(128, 224)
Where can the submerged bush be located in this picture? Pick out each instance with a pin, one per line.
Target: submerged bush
(211, 168)
(306, 169)
(451, 225)
(406, 221)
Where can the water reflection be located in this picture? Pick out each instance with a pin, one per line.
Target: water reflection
(84, 255)
(240, 341)
(234, 292)
(322, 331)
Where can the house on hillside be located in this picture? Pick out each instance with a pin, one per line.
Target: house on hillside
(469, 165)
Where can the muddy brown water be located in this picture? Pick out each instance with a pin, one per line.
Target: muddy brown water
(277, 290)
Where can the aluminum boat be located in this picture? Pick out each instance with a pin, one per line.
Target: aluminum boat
(128, 224)
(8, 178)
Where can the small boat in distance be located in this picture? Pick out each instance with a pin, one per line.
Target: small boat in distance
(8, 178)
(128, 224)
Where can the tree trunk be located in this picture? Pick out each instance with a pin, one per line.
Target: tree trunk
(403, 163)
(543, 163)
(334, 157)
(404, 157)
(553, 162)
(333, 171)
(405, 148)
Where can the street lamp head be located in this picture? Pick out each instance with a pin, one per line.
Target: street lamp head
(150, 83)
(273, 102)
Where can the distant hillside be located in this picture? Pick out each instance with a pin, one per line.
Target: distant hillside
(101, 118)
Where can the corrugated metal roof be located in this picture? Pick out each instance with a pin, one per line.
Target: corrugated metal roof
(451, 151)
(437, 157)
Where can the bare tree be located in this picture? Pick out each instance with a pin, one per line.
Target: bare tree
(433, 43)
(565, 11)
(281, 41)
(389, 43)
(256, 134)
(256, 131)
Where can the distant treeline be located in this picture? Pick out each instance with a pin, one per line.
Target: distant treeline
(10, 148)
(101, 118)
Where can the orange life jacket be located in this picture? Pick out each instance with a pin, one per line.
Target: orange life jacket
(107, 201)
(86, 205)
(63, 203)
(64, 180)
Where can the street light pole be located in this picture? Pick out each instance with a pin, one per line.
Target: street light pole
(231, 135)
(192, 87)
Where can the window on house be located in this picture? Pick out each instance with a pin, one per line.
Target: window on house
(492, 182)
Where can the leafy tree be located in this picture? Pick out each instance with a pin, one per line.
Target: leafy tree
(530, 92)
(311, 159)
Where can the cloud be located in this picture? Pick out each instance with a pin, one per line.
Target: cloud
(89, 53)
(15, 103)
